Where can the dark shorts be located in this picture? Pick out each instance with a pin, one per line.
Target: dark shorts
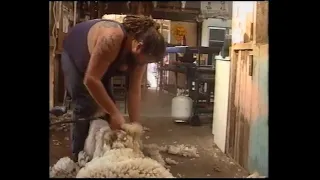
(83, 104)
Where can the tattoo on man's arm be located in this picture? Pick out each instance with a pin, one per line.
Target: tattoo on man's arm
(109, 43)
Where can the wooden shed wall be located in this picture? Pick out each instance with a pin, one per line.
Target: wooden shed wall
(247, 140)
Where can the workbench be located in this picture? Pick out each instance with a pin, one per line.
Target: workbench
(196, 76)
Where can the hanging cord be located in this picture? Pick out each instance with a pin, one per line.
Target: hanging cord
(54, 28)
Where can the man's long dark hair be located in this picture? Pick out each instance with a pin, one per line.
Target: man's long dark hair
(146, 30)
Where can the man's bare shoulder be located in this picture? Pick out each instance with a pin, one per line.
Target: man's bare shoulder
(103, 27)
(108, 24)
(107, 34)
(109, 39)
(110, 28)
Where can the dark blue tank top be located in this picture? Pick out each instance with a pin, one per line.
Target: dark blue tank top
(76, 46)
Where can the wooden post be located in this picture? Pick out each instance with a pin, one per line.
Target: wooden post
(50, 103)
(52, 63)
(51, 83)
(50, 14)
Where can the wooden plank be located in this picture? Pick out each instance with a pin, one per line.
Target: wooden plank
(246, 130)
(261, 22)
(50, 17)
(51, 62)
(242, 46)
(238, 109)
(235, 101)
(174, 16)
(245, 107)
(232, 108)
(241, 87)
(246, 137)
(56, 64)
(51, 82)
(191, 11)
(240, 96)
(61, 34)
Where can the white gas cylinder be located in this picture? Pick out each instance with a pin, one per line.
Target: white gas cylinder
(181, 108)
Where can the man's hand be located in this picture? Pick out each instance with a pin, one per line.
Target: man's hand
(116, 121)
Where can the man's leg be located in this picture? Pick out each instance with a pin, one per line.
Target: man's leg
(83, 105)
(83, 111)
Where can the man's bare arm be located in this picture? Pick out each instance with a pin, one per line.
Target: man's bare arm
(103, 54)
(134, 94)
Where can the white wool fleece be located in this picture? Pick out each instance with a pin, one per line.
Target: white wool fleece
(96, 131)
(123, 163)
(116, 154)
(121, 156)
(64, 168)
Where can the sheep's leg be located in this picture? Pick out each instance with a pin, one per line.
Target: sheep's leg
(99, 144)
(83, 158)
(101, 137)
(90, 143)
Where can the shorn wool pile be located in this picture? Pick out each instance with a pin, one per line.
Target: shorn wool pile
(119, 154)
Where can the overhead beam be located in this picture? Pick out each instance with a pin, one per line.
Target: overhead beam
(174, 16)
(191, 11)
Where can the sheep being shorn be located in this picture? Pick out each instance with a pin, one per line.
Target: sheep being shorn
(123, 163)
(114, 154)
(120, 156)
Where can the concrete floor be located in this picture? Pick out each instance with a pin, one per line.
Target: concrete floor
(211, 163)
(156, 113)
(156, 110)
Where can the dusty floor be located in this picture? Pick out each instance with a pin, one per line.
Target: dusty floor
(211, 163)
(156, 109)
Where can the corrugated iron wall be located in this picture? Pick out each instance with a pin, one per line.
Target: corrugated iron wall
(247, 138)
